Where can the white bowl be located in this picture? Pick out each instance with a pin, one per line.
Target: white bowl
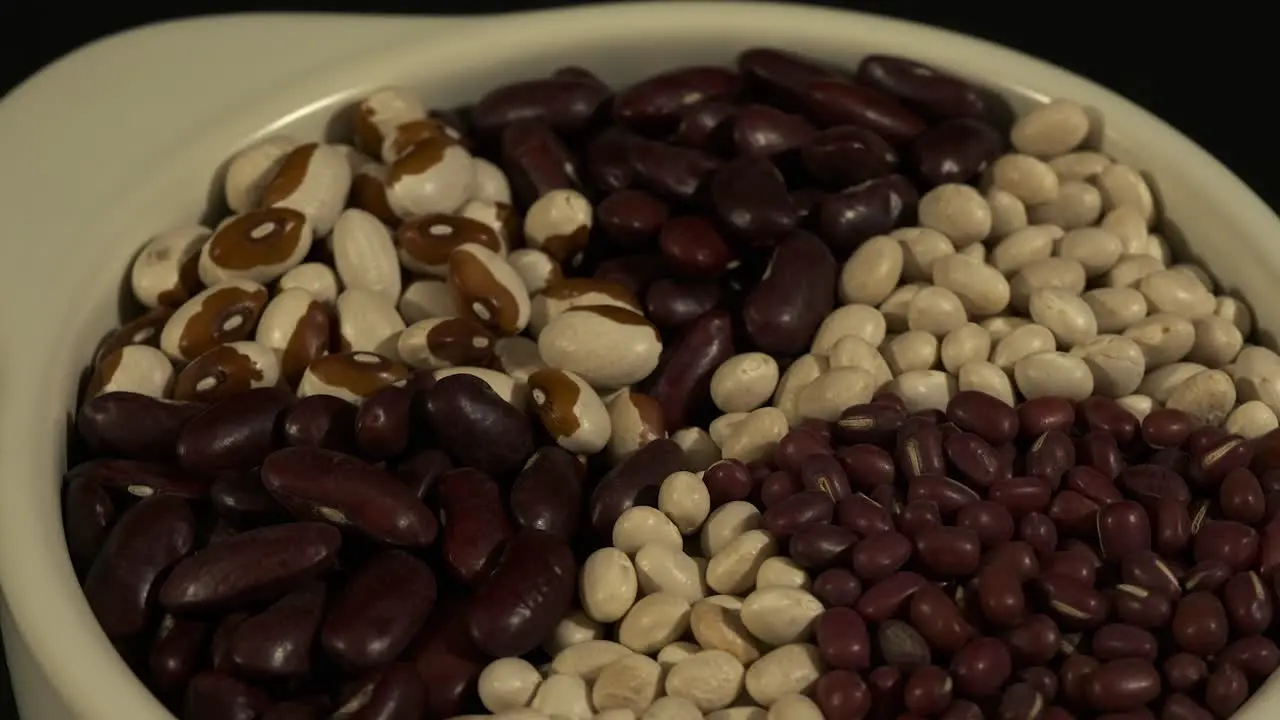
(122, 138)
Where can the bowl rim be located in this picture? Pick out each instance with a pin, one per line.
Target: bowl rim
(37, 581)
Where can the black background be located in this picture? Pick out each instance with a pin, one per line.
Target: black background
(1208, 68)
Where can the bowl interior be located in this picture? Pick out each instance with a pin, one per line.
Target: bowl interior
(1212, 219)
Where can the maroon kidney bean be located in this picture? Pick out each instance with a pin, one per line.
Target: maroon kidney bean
(902, 645)
(382, 607)
(1052, 456)
(726, 481)
(1184, 672)
(324, 485)
(1248, 603)
(565, 104)
(781, 73)
(919, 448)
(796, 446)
(873, 423)
(928, 691)
(1103, 414)
(990, 521)
(1114, 641)
(1226, 690)
(150, 537)
(750, 198)
(447, 660)
(1171, 527)
(531, 589)
(887, 685)
(241, 497)
(856, 213)
(837, 102)
(654, 105)
(220, 645)
(1124, 684)
(218, 696)
(394, 692)
(1093, 485)
(1149, 570)
(422, 471)
(866, 466)
(842, 639)
(981, 667)
(477, 427)
(782, 312)
(670, 171)
(820, 545)
(955, 151)
(1232, 543)
(176, 653)
(708, 126)
(130, 425)
(1210, 575)
(633, 482)
(1180, 707)
(1073, 676)
(383, 424)
(631, 218)
(886, 598)
(1042, 679)
(1256, 655)
(251, 566)
(547, 494)
(1075, 604)
(765, 131)
(1172, 458)
(1212, 464)
(824, 473)
(1142, 607)
(950, 551)
(1021, 495)
(608, 160)
(141, 479)
(475, 523)
(916, 517)
(863, 515)
(536, 161)
(974, 460)
(682, 382)
(276, 643)
(933, 92)
(983, 415)
(1035, 641)
(671, 303)
(842, 695)
(1039, 416)
(320, 421)
(939, 620)
(1240, 497)
(1074, 565)
(1037, 530)
(692, 246)
(233, 435)
(87, 514)
(837, 587)
(1123, 529)
(778, 486)
(847, 155)
(1100, 451)
(946, 493)
(1166, 428)
(1020, 701)
(1148, 484)
(1017, 557)
(1200, 623)
(965, 710)
(878, 556)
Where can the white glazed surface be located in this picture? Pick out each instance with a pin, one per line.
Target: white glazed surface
(122, 138)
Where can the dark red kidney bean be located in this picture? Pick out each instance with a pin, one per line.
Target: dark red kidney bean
(276, 643)
(1248, 603)
(1039, 532)
(530, 590)
(1142, 607)
(864, 516)
(1044, 680)
(983, 415)
(671, 303)
(1100, 451)
(379, 611)
(1200, 624)
(939, 620)
(1073, 676)
(990, 521)
(447, 660)
(873, 423)
(916, 517)
(1021, 495)
(837, 587)
(1203, 438)
(842, 695)
(87, 514)
(1180, 707)
(819, 546)
(682, 382)
(1212, 464)
(631, 218)
(781, 73)
(707, 125)
(928, 691)
(1240, 497)
(1171, 527)
(149, 538)
(1021, 701)
(782, 312)
(670, 171)
(475, 523)
(787, 516)
(141, 479)
(1148, 484)
(887, 685)
(250, 567)
(726, 481)
(837, 102)
(383, 423)
(919, 449)
(692, 246)
(886, 598)
(764, 131)
(1166, 428)
(421, 472)
(320, 421)
(220, 645)
(633, 482)
(547, 494)
(654, 105)
(1035, 641)
(608, 159)
(1226, 690)
(1257, 655)
(1052, 456)
(796, 446)
(1149, 570)
(946, 493)
(1114, 641)
(874, 207)
(949, 551)
(981, 667)
(1017, 557)
(1099, 413)
(1266, 453)
(477, 427)
(847, 155)
(866, 466)
(1210, 575)
(233, 435)
(565, 104)
(750, 198)
(316, 484)
(535, 160)
(932, 92)
(130, 425)
(241, 497)
(878, 556)
(965, 710)
(902, 645)
(1075, 604)
(955, 151)
(218, 696)
(973, 458)
(1226, 541)
(1184, 672)
(176, 653)
(1123, 529)
(1093, 485)
(842, 639)
(824, 473)
(395, 692)
(1074, 565)
(1124, 684)
(1039, 416)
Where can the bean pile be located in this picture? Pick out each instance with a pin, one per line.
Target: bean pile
(772, 391)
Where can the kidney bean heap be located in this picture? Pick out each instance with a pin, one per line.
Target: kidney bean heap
(735, 388)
